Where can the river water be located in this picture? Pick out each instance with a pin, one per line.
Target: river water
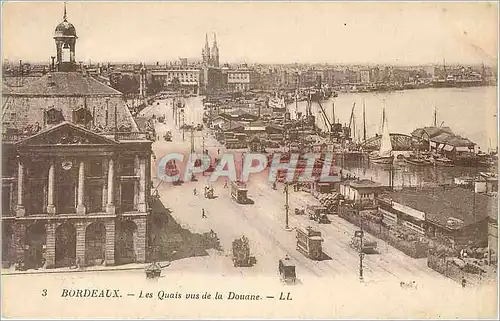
(469, 112)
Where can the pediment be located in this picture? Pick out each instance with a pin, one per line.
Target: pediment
(67, 134)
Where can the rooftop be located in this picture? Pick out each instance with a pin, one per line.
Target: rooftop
(362, 183)
(442, 135)
(441, 204)
(64, 84)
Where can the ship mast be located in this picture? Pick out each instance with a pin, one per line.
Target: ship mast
(333, 113)
(435, 116)
(364, 122)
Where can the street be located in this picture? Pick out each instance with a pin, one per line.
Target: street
(264, 222)
(324, 289)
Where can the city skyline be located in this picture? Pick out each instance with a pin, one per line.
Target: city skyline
(266, 33)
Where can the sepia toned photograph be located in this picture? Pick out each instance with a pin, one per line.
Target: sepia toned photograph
(249, 159)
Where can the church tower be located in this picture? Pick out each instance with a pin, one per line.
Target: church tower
(65, 38)
(215, 53)
(205, 53)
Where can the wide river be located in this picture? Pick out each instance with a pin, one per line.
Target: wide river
(469, 112)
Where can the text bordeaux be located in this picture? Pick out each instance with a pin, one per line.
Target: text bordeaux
(90, 293)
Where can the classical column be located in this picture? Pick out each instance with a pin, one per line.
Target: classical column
(19, 240)
(110, 207)
(20, 211)
(110, 243)
(50, 255)
(137, 172)
(104, 188)
(140, 239)
(51, 208)
(142, 185)
(80, 243)
(80, 209)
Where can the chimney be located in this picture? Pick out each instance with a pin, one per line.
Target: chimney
(53, 64)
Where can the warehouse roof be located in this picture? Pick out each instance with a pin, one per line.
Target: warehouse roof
(449, 207)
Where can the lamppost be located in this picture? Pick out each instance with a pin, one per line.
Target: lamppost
(361, 254)
(286, 207)
(192, 138)
(288, 143)
(183, 123)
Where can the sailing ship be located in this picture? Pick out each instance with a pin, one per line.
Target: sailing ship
(384, 155)
(277, 104)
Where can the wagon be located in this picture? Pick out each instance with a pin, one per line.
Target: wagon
(286, 268)
(153, 271)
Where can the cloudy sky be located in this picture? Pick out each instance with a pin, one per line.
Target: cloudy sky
(324, 32)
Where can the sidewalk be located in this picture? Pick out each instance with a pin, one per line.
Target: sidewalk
(100, 268)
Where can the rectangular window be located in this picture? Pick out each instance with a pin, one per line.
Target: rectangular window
(6, 198)
(96, 169)
(127, 166)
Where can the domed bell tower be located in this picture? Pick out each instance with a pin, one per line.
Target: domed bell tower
(65, 38)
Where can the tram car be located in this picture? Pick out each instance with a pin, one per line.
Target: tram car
(239, 193)
(309, 242)
(286, 269)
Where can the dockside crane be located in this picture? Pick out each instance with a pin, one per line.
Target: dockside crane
(351, 120)
(326, 121)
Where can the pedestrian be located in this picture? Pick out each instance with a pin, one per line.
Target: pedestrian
(225, 184)
(463, 282)
(218, 151)
(194, 191)
(203, 213)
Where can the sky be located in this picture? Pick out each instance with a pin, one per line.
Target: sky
(259, 32)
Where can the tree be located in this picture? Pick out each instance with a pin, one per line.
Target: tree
(154, 87)
(127, 85)
(175, 84)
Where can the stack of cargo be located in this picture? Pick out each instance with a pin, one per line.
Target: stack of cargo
(330, 201)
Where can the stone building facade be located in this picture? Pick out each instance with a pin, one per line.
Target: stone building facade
(75, 172)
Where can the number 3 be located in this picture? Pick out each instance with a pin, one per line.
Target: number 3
(44, 292)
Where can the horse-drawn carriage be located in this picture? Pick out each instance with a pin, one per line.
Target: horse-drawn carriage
(241, 252)
(286, 269)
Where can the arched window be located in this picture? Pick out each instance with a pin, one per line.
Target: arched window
(53, 116)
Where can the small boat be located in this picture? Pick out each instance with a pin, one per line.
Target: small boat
(384, 155)
(415, 160)
(443, 161)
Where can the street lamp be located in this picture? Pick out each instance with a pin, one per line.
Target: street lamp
(286, 207)
(192, 138)
(361, 255)
(183, 123)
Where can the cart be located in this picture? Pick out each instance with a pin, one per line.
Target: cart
(241, 252)
(299, 211)
(287, 270)
(153, 271)
(367, 246)
(318, 214)
(168, 136)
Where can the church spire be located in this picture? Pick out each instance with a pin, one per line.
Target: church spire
(65, 16)
(215, 40)
(206, 51)
(215, 52)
